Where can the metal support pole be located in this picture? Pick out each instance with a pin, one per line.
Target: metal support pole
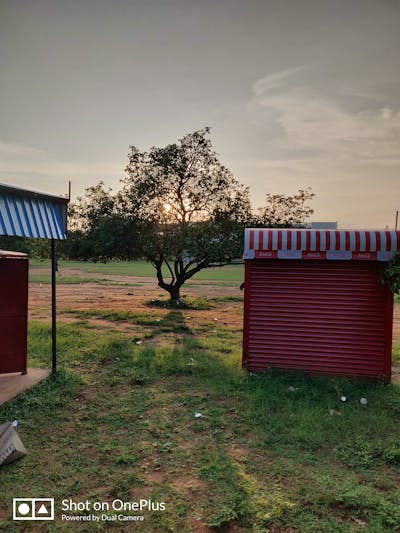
(53, 307)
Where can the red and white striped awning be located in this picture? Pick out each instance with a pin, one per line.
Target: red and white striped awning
(263, 243)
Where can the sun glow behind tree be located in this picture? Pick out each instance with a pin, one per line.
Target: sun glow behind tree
(191, 207)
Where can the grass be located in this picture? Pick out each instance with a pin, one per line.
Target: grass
(396, 353)
(151, 323)
(119, 421)
(75, 280)
(187, 303)
(230, 273)
(227, 299)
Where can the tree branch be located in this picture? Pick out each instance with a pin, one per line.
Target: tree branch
(171, 272)
(158, 266)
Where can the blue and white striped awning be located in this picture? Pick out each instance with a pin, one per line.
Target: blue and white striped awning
(27, 214)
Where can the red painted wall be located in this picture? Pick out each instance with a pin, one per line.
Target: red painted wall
(13, 314)
(330, 317)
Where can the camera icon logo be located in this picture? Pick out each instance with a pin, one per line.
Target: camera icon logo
(33, 508)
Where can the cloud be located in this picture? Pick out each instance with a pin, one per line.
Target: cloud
(11, 150)
(274, 81)
(312, 120)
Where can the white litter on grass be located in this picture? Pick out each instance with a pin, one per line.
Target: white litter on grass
(198, 415)
(363, 401)
(343, 398)
(14, 424)
(139, 342)
(291, 389)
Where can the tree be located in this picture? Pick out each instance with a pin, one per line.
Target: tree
(286, 211)
(180, 208)
(32, 247)
(97, 231)
(15, 244)
(190, 209)
(391, 273)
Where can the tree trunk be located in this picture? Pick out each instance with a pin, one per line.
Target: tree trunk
(174, 287)
(175, 292)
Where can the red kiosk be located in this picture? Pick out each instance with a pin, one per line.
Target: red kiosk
(314, 301)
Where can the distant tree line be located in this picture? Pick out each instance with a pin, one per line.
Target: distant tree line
(33, 247)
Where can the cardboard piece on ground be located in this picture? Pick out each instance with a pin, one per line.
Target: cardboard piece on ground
(11, 447)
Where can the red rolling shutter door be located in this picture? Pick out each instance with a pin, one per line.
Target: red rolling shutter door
(317, 316)
(13, 314)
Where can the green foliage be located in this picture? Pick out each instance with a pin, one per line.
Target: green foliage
(396, 353)
(16, 244)
(286, 211)
(33, 247)
(97, 229)
(391, 274)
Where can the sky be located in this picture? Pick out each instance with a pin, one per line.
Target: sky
(297, 94)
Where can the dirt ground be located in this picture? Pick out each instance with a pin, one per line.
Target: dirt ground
(130, 297)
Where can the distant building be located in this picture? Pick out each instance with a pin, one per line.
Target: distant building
(323, 225)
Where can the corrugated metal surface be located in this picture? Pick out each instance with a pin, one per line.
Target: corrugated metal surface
(13, 314)
(32, 217)
(320, 244)
(317, 316)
